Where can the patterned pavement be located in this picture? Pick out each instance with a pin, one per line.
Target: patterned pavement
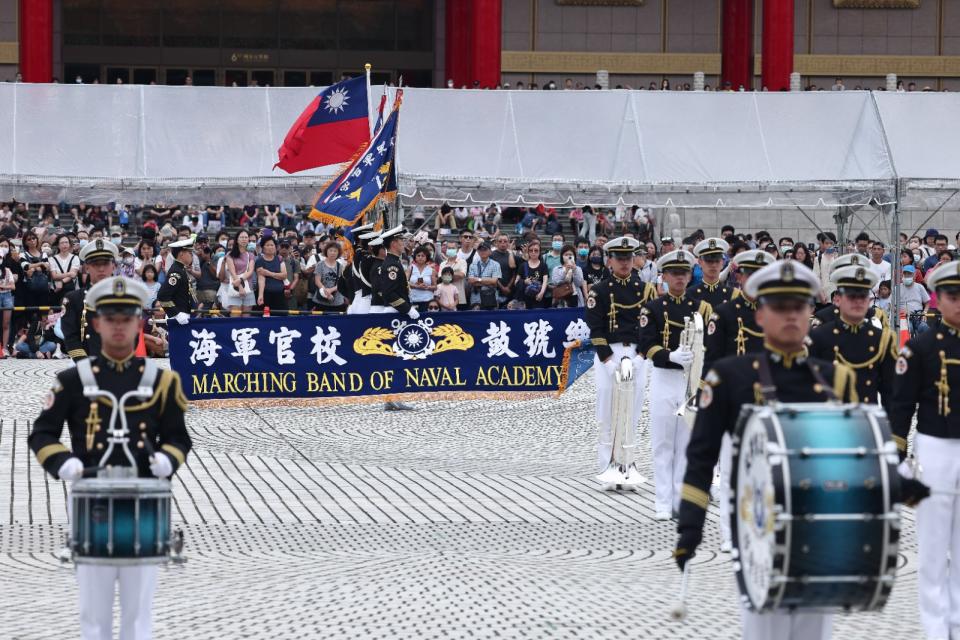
(472, 519)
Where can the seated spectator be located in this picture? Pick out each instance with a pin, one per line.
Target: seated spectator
(35, 341)
(445, 218)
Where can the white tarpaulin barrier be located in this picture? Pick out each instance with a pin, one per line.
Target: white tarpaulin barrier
(149, 144)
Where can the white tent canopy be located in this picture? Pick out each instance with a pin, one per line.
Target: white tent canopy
(101, 143)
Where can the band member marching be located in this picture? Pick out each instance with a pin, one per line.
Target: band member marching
(710, 254)
(784, 292)
(99, 259)
(831, 311)
(852, 340)
(733, 331)
(613, 312)
(928, 383)
(178, 295)
(661, 323)
(157, 426)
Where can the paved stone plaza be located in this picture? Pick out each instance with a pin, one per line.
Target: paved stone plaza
(472, 519)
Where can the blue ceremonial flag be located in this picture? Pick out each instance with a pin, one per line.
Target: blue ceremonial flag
(366, 179)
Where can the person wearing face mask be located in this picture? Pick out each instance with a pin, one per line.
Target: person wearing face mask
(447, 294)
(914, 299)
(458, 269)
(595, 271)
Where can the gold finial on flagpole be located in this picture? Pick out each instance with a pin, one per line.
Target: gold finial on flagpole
(367, 66)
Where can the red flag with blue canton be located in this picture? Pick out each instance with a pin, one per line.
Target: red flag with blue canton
(329, 130)
(365, 181)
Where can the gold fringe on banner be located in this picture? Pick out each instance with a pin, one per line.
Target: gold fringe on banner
(565, 368)
(255, 403)
(328, 218)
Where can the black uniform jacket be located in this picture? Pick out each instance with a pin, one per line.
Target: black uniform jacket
(734, 382)
(661, 322)
(79, 338)
(160, 419)
(714, 294)
(391, 284)
(732, 331)
(177, 294)
(928, 375)
(868, 349)
(613, 311)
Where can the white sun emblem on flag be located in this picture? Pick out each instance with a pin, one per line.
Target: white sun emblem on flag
(413, 340)
(337, 100)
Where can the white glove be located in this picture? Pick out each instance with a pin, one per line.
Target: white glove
(160, 465)
(682, 357)
(182, 318)
(71, 470)
(413, 313)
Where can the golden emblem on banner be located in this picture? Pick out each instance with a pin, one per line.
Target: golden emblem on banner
(412, 340)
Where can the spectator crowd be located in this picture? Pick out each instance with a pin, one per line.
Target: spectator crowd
(249, 259)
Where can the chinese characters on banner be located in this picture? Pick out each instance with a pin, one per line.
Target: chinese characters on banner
(383, 354)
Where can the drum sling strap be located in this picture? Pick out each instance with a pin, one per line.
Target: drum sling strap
(768, 390)
(89, 381)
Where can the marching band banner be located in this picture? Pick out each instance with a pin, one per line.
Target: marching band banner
(322, 358)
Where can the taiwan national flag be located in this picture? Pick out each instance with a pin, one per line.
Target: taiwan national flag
(330, 130)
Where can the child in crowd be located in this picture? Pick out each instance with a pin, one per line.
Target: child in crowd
(883, 300)
(446, 293)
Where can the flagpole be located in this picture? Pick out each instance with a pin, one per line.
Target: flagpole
(369, 99)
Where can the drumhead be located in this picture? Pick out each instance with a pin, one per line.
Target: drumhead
(753, 513)
(120, 486)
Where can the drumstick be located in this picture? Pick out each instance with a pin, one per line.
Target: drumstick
(90, 472)
(679, 611)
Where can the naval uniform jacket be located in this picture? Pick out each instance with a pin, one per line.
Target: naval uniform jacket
(159, 419)
(734, 382)
(613, 311)
(831, 312)
(391, 284)
(177, 294)
(869, 348)
(714, 294)
(662, 321)
(732, 331)
(79, 338)
(928, 375)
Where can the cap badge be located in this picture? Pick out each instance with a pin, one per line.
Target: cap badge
(119, 288)
(712, 244)
(860, 274)
(625, 243)
(99, 244)
(786, 272)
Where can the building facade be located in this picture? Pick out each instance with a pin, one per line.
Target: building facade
(304, 42)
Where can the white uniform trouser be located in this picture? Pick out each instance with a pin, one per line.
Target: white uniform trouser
(726, 454)
(669, 435)
(605, 382)
(360, 304)
(938, 533)
(785, 626)
(97, 585)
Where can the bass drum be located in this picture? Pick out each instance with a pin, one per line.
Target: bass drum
(814, 511)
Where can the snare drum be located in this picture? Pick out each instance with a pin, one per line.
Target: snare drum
(813, 508)
(120, 521)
